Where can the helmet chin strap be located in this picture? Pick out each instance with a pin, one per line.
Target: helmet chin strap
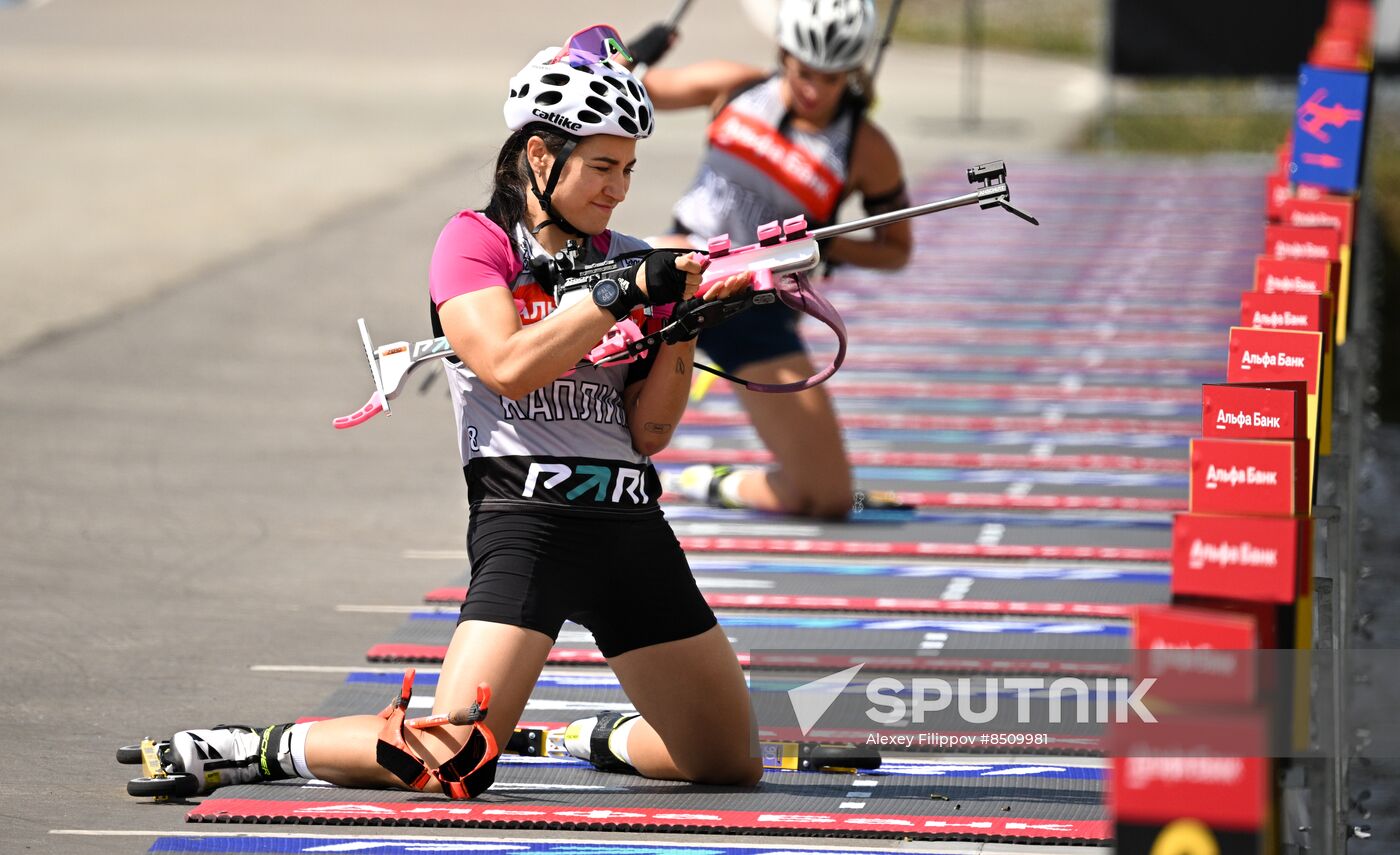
(553, 217)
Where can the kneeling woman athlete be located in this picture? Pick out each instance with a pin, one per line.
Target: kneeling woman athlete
(795, 140)
(565, 523)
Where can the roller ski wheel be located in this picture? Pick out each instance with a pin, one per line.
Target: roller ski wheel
(130, 755)
(179, 786)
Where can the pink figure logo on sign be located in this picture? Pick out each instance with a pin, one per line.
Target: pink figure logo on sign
(1314, 117)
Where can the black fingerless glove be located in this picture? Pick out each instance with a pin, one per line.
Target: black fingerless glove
(651, 46)
(665, 283)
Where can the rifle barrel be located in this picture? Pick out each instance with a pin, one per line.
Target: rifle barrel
(972, 198)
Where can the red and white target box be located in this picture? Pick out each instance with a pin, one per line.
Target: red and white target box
(1294, 275)
(1318, 229)
(1264, 356)
(1255, 410)
(1268, 411)
(1250, 476)
(1196, 655)
(1250, 558)
(1302, 242)
(1322, 212)
(1194, 804)
(1279, 190)
(1298, 312)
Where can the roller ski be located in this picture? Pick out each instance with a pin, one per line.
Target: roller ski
(194, 762)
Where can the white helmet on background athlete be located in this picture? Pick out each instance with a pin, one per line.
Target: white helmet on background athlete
(828, 35)
(578, 91)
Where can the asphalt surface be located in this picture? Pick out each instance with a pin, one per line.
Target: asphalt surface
(201, 199)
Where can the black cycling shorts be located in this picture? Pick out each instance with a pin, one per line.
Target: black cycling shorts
(625, 579)
(757, 335)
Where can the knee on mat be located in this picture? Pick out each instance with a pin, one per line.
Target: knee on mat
(744, 771)
(826, 505)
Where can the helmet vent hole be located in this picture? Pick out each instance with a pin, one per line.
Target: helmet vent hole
(644, 117)
(598, 87)
(599, 105)
(625, 107)
(555, 79)
(589, 117)
(627, 125)
(549, 99)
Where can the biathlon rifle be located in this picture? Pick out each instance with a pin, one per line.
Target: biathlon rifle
(779, 261)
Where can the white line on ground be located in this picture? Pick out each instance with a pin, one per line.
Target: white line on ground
(957, 588)
(991, 534)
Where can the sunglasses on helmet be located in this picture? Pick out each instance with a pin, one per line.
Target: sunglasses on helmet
(593, 45)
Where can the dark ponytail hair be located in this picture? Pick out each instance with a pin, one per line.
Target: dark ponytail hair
(511, 181)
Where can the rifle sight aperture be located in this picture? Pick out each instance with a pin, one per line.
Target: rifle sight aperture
(988, 173)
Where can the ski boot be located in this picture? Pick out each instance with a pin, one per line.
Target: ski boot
(700, 483)
(591, 739)
(193, 762)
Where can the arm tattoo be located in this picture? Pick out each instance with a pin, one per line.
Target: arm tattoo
(653, 427)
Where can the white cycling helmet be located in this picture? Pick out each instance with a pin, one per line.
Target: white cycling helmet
(578, 91)
(828, 35)
(580, 94)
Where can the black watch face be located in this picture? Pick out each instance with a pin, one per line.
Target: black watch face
(606, 292)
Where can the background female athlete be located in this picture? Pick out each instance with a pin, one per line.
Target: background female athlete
(795, 140)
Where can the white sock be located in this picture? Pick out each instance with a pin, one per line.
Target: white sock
(729, 489)
(298, 749)
(578, 738)
(617, 740)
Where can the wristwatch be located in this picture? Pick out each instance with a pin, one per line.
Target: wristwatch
(608, 294)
